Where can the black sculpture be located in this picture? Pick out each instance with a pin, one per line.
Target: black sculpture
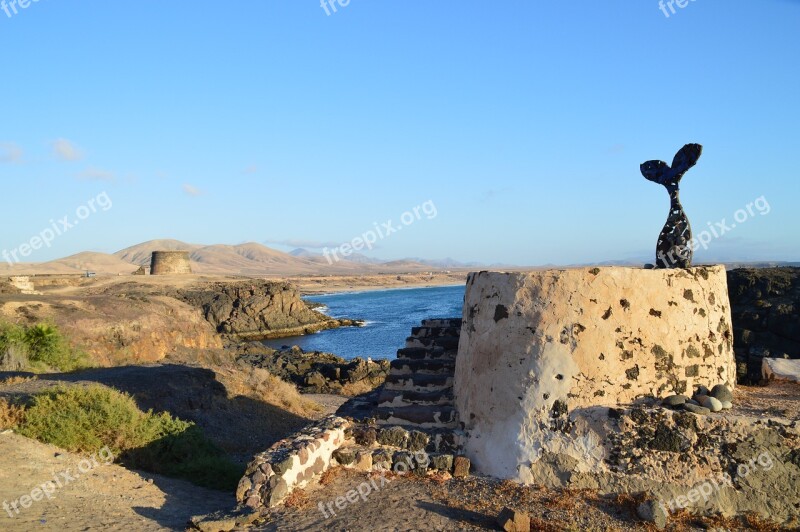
(674, 243)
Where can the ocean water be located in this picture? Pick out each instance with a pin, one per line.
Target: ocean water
(389, 316)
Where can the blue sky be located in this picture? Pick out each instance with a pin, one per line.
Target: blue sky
(523, 122)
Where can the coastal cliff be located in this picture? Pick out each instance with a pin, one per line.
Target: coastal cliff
(132, 322)
(258, 310)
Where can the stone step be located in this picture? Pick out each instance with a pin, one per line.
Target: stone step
(448, 342)
(445, 440)
(403, 366)
(442, 322)
(419, 383)
(433, 332)
(419, 416)
(429, 353)
(396, 398)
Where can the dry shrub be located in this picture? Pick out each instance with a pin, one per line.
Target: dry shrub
(11, 415)
(330, 475)
(297, 499)
(749, 521)
(352, 389)
(261, 385)
(540, 525)
(19, 379)
(563, 500)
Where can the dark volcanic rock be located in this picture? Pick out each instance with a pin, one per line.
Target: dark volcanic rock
(257, 310)
(765, 310)
(315, 372)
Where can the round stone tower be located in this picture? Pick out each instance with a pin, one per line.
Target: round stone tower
(170, 262)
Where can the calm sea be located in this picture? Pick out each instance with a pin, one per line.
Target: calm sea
(389, 314)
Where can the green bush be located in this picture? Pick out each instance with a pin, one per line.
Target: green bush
(42, 345)
(86, 419)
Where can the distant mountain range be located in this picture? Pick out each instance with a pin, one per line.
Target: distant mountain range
(254, 259)
(360, 258)
(250, 259)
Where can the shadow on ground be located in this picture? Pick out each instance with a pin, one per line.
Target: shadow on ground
(239, 425)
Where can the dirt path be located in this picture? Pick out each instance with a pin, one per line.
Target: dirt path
(106, 497)
(410, 504)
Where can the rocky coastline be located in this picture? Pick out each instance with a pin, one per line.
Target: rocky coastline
(259, 310)
(315, 372)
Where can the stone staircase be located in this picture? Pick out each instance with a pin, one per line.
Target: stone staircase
(419, 389)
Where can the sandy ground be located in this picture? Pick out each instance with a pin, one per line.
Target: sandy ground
(108, 497)
(334, 284)
(105, 497)
(66, 285)
(437, 504)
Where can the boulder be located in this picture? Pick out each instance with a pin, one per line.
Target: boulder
(514, 520)
(721, 393)
(461, 465)
(778, 369)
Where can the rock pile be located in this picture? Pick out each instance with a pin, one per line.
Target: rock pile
(316, 372)
(704, 401)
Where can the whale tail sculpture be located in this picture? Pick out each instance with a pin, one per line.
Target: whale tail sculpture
(673, 249)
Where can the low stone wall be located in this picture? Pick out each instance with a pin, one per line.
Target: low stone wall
(536, 345)
(295, 461)
(291, 463)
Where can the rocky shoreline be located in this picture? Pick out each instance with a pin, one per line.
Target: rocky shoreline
(315, 372)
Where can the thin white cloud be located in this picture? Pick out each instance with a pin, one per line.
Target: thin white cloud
(616, 148)
(191, 190)
(66, 150)
(252, 169)
(97, 174)
(299, 243)
(10, 153)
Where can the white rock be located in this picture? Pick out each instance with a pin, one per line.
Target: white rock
(780, 369)
(712, 403)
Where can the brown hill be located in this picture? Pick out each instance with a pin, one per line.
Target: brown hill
(140, 253)
(101, 263)
(250, 259)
